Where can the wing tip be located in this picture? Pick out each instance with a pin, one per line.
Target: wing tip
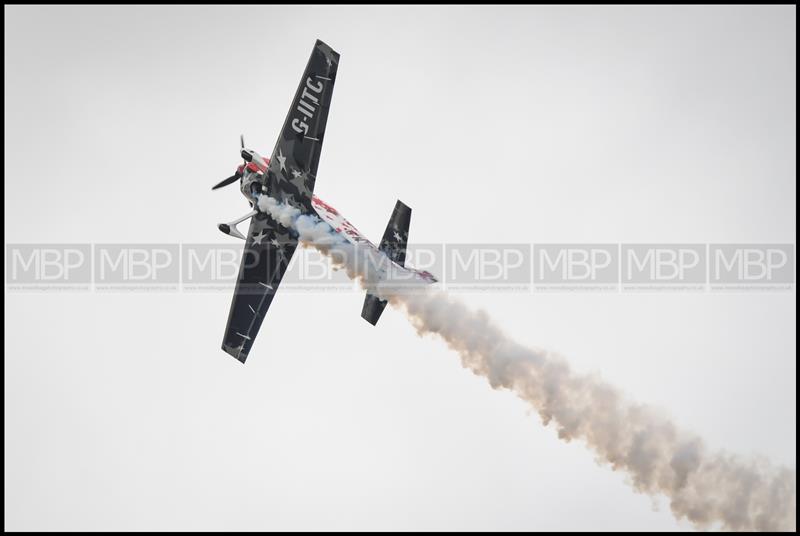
(402, 206)
(235, 352)
(326, 49)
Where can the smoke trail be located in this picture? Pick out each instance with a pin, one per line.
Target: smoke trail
(706, 487)
(703, 487)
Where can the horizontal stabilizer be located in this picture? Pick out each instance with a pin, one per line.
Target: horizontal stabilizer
(373, 308)
(394, 244)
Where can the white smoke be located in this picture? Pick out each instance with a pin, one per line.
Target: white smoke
(709, 488)
(704, 487)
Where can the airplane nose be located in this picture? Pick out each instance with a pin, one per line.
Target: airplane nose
(247, 156)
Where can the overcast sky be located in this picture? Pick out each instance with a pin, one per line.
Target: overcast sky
(501, 124)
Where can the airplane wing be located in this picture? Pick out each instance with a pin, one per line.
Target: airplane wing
(290, 178)
(267, 252)
(293, 166)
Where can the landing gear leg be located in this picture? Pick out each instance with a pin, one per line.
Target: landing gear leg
(230, 228)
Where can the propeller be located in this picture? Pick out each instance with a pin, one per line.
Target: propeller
(245, 155)
(230, 180)
(238, 175)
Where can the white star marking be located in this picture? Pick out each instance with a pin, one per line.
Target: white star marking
(396, 236)
(275, 242)
(296, 173)
(259, 237)
(281, 160)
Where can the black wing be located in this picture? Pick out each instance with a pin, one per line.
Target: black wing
(290, 178)
(267, 252)
(293, 165)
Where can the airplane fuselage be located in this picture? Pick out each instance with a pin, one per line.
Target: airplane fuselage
(252, 187)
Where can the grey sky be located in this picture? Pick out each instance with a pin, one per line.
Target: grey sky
(513, 124)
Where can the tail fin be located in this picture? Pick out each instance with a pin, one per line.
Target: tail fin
(393, 243)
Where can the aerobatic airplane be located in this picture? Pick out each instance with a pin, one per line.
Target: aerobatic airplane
(288, 176)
